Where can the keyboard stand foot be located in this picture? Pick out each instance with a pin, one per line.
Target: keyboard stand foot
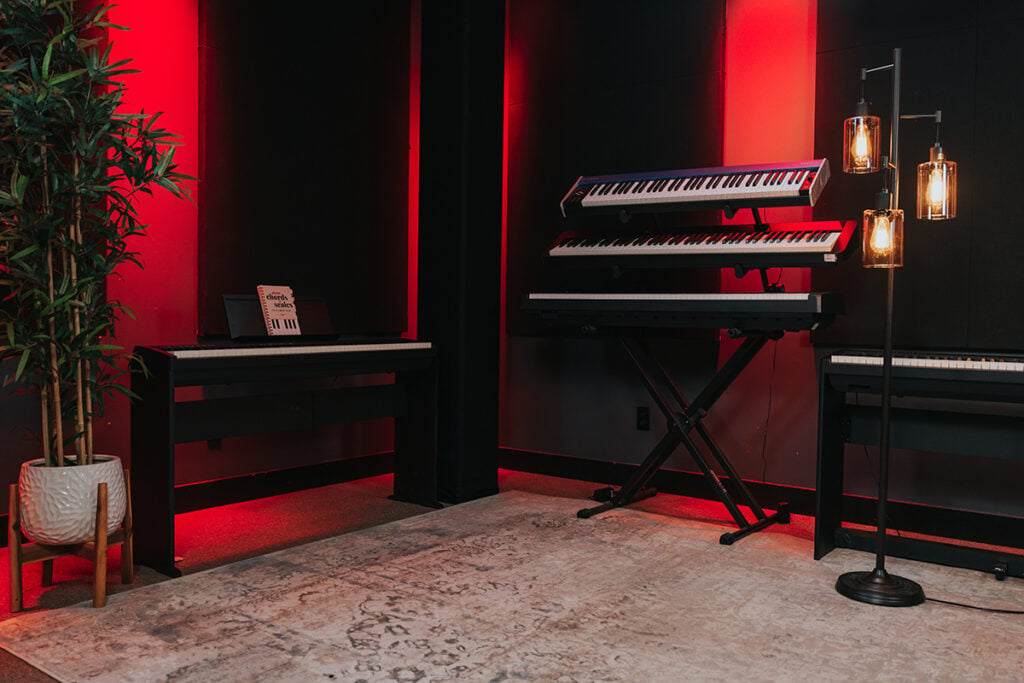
(781, 516)
(616, 500)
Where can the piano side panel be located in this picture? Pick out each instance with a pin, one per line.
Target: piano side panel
(604, 87)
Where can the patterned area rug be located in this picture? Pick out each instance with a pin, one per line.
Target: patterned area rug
(515, 587)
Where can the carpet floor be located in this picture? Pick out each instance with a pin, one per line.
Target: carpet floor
(515, 587)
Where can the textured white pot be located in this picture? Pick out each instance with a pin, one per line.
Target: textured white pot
(58, 504)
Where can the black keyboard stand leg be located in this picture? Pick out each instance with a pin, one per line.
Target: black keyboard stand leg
(780, 516)
(683, 418)
(615, 502)
(635, 489)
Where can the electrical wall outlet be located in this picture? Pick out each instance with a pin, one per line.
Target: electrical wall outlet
(643, 418)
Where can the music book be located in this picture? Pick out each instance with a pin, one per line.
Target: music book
(279, 312)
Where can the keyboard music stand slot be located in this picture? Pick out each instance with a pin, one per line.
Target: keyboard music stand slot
(684, 418)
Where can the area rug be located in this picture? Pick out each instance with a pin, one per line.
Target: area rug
(515, 587)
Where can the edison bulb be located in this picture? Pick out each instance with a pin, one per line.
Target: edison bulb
(861, 150)
(860, 144)
(881, 236)
(937, 189)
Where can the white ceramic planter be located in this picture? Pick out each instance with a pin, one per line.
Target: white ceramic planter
(58, 504)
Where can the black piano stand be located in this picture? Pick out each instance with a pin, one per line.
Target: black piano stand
(684, 419)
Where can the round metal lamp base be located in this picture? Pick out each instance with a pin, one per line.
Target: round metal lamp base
(878, 587)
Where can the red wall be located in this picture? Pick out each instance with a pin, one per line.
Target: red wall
(163, 44)
(770, 49)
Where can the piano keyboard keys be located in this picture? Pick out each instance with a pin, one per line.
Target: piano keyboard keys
(791, 184)
(932, 361)
(812, 243)
(288, 350)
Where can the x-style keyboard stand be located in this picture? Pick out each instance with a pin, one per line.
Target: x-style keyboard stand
(685, 419)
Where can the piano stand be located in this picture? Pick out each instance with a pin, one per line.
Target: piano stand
(683, 419)
(291, 392)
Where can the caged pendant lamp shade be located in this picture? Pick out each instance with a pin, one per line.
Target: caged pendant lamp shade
(936, 187)
(861, 134)
(883, 238)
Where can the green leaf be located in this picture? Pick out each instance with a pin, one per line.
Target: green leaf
(56, 80)
(46, 60)
(27, 251)
(21, 364)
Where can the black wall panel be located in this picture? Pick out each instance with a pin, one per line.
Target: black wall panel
(995, 314)
(304, 168)
(460, 233)
(605, 87)
(961, 276)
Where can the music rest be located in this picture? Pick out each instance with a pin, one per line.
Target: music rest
(245, 318)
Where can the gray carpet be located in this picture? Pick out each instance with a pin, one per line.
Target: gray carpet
(516, 587)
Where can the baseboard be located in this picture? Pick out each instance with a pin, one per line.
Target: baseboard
(676, 482)
(946, 523)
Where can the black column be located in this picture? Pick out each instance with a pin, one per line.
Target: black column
(461, 109)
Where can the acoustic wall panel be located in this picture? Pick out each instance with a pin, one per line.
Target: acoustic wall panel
(604, 87)
(933, 289)
(304, 173)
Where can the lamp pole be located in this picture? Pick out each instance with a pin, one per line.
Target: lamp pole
(878, 587)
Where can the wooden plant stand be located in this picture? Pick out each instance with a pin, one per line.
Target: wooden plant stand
(23, 552)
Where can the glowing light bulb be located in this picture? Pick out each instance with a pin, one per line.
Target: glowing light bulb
(861, 149)
(881, 236)
(937, 189)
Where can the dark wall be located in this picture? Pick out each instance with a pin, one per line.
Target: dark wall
(599, 87)
(304, 168)
(604, 87)
(959, 287)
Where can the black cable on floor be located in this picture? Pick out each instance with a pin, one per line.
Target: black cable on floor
(983, 609)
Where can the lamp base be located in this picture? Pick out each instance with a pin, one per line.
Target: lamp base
(878, 587)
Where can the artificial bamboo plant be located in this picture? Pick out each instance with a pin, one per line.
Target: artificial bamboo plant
(72, 166)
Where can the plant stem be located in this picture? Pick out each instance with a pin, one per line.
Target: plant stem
(58, 428)
(53, 378)
(45, 405)
(75, 233)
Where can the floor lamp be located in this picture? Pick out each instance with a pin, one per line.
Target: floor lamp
(883, 248)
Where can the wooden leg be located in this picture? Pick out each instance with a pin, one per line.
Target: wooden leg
(14, 548)
(127, 548)
(99, 590)
(47, 572)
